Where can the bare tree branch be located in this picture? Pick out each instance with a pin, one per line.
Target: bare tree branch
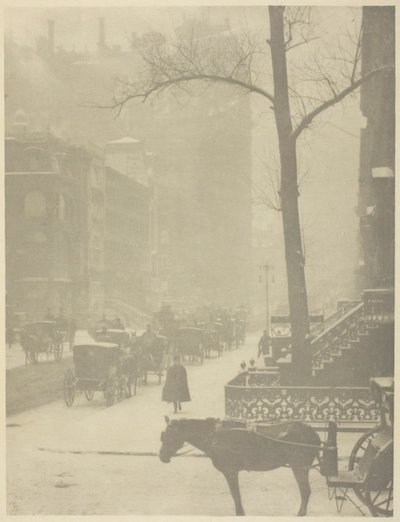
(298, 30)
(307, 120)
(298, 44)
(267, 190)
(144, 95)
(356, 57)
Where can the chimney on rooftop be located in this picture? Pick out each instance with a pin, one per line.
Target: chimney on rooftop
(102, 34)
(50, 35)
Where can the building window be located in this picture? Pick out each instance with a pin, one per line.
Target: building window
(35, 205)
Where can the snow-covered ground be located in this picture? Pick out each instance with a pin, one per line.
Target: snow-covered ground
(44, 480)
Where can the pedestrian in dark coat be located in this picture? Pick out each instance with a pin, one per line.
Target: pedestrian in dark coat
(265, 348)
(176, 389)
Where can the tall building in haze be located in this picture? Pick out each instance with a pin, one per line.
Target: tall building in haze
(201, 157)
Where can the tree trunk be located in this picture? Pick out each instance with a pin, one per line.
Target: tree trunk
(289, 203)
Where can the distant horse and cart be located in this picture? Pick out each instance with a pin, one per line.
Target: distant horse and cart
(196, 337)
(114, 363)
(41, 337)
(153, 355)
(99, 366)
(148, 353)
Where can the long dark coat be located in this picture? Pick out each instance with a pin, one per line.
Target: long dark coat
(176, 387)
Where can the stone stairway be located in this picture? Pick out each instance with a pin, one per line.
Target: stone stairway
(333, 348)
(133, 318)
(346, 349)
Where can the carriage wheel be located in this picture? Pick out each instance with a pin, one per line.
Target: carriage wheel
(89, 394)
(69, 388)
(379, 502)
(360, 448)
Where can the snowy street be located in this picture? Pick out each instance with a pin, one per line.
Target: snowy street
(44, 478)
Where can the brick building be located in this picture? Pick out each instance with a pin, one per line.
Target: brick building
(50, 225)
(201, 164)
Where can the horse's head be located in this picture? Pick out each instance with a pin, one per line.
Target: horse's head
(172, 440)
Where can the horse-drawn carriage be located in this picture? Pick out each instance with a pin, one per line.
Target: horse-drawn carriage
(212, 339)
(41, 337)
(99, 366)
(152, 355)
(189, 342)
(234, 445)
(369, 476)
(228, 332)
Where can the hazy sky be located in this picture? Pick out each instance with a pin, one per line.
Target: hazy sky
(79, 26)
(330, 151)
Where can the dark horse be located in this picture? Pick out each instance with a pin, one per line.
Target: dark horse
(233, 448)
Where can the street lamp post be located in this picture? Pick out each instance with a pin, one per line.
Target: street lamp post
(267, 325)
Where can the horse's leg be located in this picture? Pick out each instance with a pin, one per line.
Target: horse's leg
(232, 477)
(301, 475)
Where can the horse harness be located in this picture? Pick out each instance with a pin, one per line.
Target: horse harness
(275, 439)
(210, 442)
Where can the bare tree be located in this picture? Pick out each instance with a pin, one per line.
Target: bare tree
(234, 60)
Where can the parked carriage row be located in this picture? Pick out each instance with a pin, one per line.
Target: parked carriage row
(115, 363)
(198, 340)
